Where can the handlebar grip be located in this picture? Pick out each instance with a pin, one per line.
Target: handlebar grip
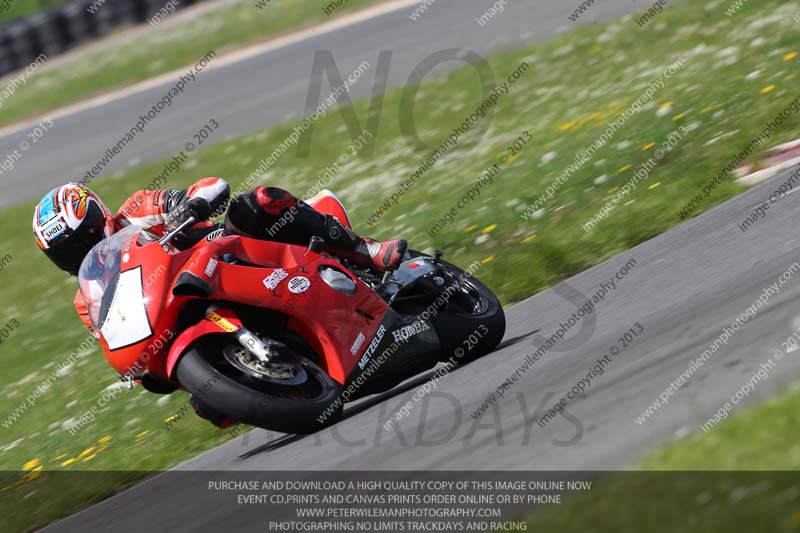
(171, 235)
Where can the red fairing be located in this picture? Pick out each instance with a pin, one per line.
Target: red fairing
(285, 279)
(204, 327)
(328, 203)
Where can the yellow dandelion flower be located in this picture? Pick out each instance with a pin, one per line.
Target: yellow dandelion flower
(666, 104)
(68, 462)
(89, 458)
(790, 56)
(613, 190)
(87, 451)
(141, 435)
(678, 117)
(30, 465)
(789, 77)
(655, 185)
(526, 240)
(33, 474)
(768, 89)
(567, 125)
(707, 110)
(489, 229)
(488, 260)
(105, 440)
(59, 457)
(471, 228)
(648, 146)
(623, 169)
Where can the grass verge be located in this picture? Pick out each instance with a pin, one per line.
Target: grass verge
(115, 63)
(679, 493)
(740, 72)
(17, 9)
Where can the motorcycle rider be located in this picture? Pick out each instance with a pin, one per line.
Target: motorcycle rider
(71, 219)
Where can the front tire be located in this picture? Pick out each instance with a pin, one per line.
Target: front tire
(296, 409)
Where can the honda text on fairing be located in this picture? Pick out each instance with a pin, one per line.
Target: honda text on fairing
(272, 334)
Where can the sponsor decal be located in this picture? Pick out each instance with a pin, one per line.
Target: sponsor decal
(54, 230)
(357, 344)
(438, 280)
(214, 235)
(299, 284)
(223, 323)
(406, 332)
(211, 267)
(272, 281)
(372, 347)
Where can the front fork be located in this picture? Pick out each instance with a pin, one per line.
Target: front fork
(263, 350)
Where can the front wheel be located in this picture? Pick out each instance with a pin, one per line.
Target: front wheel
(293, 395)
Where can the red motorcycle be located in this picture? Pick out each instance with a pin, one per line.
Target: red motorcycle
(275, 335)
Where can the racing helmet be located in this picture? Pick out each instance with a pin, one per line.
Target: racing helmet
(68, 222)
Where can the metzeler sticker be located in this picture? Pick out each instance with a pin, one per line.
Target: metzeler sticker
(357, 344)
(299, 284)
(211, 267)
(406, 332)
(272, 281)
(372, 347)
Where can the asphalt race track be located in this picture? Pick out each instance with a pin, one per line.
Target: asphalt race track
(685, 287)
(271, 88)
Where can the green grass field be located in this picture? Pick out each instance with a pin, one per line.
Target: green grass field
(740, 71)
(112, 65)
(21, 8)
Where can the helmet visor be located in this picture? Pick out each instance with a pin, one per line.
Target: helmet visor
(68, 252)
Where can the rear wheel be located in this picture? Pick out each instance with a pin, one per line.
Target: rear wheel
(473, 322)
(290, 395)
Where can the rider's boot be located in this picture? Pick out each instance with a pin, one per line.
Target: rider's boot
(381, 256)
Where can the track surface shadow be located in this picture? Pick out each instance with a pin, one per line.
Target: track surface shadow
(360, 407)
(364, 405)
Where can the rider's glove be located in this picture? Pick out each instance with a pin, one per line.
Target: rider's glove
(199, 208)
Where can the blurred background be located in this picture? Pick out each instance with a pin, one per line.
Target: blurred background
(29, 28)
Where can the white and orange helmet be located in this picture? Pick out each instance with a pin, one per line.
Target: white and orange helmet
(68, 222)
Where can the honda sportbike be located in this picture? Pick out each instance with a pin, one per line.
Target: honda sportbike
(275, 335)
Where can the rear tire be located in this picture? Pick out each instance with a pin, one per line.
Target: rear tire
(476, 332)
(278, 408)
